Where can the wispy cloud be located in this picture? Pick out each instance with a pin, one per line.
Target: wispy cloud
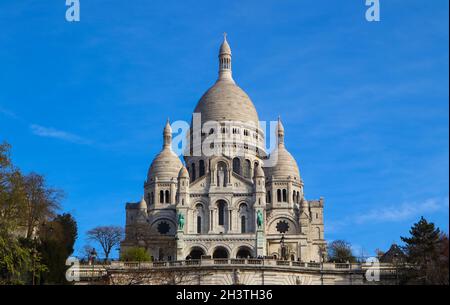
(42, 131)
(391, 214)
(8, 113)
(403, 212)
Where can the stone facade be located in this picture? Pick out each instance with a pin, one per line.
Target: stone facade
(235, 202)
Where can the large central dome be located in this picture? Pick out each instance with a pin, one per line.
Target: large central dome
(225, 101)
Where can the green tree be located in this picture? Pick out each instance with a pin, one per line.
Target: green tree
(423, 249)
(15, 260)
(57, 240)
(340, 251)
(26, 203)
(135, 254)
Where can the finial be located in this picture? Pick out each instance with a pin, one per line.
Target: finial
(224, 36)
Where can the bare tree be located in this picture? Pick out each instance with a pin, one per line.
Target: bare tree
(107, 236)
(340, 251)
(42, 202)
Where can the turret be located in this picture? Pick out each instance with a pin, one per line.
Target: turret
(260, 188)
(183, 187)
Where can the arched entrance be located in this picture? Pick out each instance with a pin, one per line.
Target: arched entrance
(220, 252)
(196, 253)
(244, 252)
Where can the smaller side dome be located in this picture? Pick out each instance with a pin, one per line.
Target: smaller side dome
(166, 164)
(143, 204)
(285, 165)
(183, 173)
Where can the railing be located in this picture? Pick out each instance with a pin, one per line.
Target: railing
(97, 272)
(298, 264)
(100, 270)
(314, 265)
(194, 262)
(342, 266)
(253, 261)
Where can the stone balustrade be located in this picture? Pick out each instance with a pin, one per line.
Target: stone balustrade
(250, 262)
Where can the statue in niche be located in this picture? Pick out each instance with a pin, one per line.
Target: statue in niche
(221, 175)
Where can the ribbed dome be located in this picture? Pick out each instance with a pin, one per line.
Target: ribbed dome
(183, 173)
(226, 101)
(143, 204)
(285, 165)
(166, 165)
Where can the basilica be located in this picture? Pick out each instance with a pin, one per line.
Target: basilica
(230, 198)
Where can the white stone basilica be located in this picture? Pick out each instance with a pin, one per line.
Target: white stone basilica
(232, 201)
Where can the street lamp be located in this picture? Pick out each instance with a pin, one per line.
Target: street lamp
(92, 256)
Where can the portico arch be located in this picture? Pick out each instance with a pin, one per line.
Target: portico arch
(196, 253)
(221, 252)
(244, 252)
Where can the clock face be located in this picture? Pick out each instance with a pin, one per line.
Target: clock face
(163, 227)
(282, 226)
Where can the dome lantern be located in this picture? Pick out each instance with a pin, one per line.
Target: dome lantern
(167, 134)
(280, 132)
(225, 60)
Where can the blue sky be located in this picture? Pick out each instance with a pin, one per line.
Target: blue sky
(364, 105)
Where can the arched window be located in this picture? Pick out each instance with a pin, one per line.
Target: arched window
(284, 195)
(193, 177)
(161, 196)
(293, 196)
(244, 214)
(149, 198)
(199, 224)
(279, 195)
(298, 197)
(237, 166)
(243, 224)
(221, 213)
(247, 168)
(167, 196)
(269, 197)
(201, 168)
(199, 213)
